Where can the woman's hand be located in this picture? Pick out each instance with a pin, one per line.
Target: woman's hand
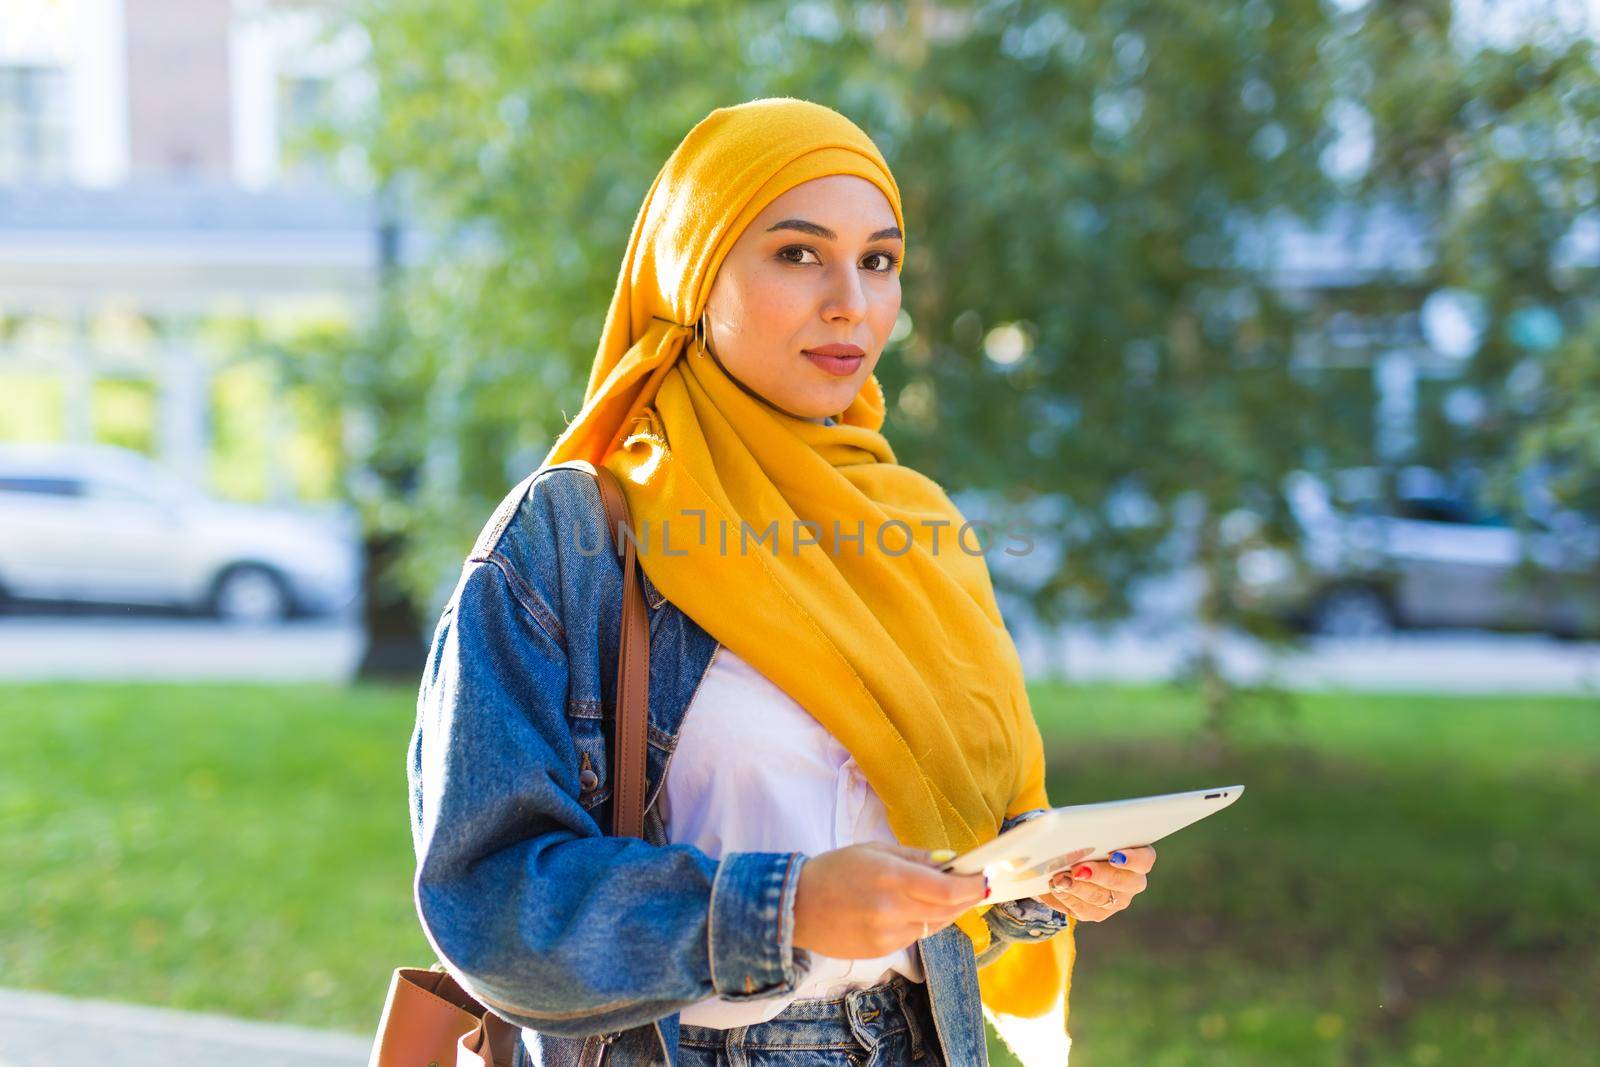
(872, 899)
(1099, 889)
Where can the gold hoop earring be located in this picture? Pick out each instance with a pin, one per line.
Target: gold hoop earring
(700, 334)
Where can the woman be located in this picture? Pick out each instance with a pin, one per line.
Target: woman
(833, 698)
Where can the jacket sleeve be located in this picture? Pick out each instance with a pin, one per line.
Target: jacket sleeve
(540, 914)
(1020, 920)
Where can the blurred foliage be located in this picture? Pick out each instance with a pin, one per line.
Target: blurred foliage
(1496, 148)
(241, 450)
(31, 407)
(123, 412)
(1566, 435)
(1090, 316)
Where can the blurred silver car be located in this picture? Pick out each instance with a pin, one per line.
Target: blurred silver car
(106, 525)
(1424, 554)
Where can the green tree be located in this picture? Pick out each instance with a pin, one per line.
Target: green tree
(1086, 324)
(1072, 175)
(1498, 145)
(1093, 315)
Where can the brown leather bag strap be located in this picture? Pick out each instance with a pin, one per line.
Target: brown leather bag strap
(633, 664)
(633, 673)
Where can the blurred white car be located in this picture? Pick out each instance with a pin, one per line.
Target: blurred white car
(1425, 554)
(106, 525)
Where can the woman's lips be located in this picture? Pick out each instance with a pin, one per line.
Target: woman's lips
(836, 359)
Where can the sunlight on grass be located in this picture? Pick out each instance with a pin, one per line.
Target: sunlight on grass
(246, 849)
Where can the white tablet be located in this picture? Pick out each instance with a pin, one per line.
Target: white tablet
(1020, 862)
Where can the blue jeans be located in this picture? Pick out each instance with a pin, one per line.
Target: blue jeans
(884, 1025)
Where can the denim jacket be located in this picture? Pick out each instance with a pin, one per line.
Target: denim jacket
(593, 943)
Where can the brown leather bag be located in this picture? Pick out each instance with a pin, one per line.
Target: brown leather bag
(428, 1019)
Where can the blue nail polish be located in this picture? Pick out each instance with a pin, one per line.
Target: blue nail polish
(1117, 857)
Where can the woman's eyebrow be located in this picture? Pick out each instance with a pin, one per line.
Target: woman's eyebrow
(822, 231)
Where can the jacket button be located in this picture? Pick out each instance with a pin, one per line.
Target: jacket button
(588, 779)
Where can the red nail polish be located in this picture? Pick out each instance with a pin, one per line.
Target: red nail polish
(1083, 872)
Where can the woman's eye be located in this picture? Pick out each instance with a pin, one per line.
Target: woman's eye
(791, 253)
(888, 261)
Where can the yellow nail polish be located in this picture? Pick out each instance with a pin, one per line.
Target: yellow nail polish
(942, 855)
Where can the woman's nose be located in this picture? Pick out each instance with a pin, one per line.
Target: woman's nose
(847, 300)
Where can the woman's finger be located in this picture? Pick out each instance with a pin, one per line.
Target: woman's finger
(1139, 859)
(918, 880)
(1094, 896)
(1082, 910)
(906, 852)
(1090, 914)
(936, 919)
(1118, 881)
(933, 890)
(916, 909)
(1072, 906)
(1087, 893)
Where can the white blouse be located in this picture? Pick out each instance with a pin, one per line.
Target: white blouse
(753, 771)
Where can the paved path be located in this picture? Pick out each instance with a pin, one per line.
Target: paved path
(1432, 661)
(51, 647)
(45, 1030)
(41, 647)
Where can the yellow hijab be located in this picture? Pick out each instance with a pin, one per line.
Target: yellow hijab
(892, 640)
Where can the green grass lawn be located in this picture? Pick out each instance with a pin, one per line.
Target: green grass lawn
(1408, 880)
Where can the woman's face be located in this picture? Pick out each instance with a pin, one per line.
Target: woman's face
(815, 270)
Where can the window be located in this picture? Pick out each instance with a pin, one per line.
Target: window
(40, 486)
(33, 124)
(304, 109)
(1453, 510)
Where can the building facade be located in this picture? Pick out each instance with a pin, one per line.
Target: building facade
(159, 203)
